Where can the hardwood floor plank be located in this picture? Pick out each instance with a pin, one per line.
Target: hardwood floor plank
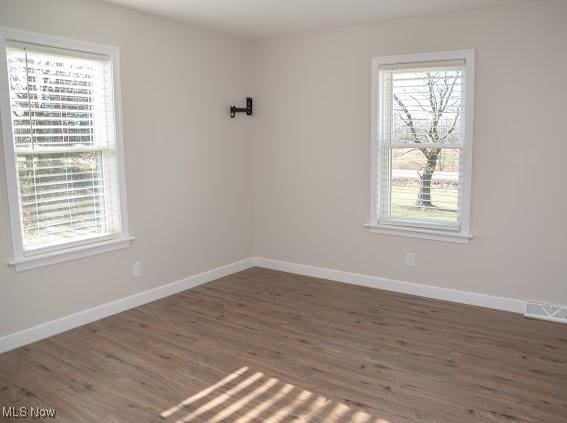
(262, 345)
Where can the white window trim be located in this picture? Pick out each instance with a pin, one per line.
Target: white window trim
(71, 251)
(101, 246)
(462, 234)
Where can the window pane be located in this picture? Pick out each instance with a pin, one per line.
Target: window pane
(424, 184)
(427, 106)
(63, 127)
(62, 197)
(421, 136)
(58, 100)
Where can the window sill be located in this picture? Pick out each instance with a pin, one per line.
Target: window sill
(422, 233)
(67, 254)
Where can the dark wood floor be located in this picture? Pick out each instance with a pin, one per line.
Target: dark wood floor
(269, 346)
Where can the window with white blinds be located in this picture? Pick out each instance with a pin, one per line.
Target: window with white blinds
(422, 168)
(64, 146)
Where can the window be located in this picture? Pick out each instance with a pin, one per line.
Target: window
(63, 157)
(422, 141)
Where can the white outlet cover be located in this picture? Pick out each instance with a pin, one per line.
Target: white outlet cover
(137, 269)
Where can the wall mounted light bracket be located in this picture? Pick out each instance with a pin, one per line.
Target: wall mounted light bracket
(248, 109)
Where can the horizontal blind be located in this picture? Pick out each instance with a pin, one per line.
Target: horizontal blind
(421, 141)
(64, 139)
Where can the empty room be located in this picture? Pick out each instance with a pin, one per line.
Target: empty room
(283, 211)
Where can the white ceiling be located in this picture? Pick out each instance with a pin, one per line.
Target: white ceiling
(255, 19)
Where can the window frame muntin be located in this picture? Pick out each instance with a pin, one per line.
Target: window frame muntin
(420, 230)
(73, 249)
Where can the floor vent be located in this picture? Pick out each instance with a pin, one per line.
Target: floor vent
(554, 313)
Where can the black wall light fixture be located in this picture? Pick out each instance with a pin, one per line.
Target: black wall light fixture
(248, 109)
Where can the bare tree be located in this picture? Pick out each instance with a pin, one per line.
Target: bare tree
(439, 108)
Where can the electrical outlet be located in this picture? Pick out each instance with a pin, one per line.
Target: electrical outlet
(410, 259)
(137, 269)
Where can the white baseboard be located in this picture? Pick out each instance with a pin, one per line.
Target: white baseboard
(44, 330)
(457, 296)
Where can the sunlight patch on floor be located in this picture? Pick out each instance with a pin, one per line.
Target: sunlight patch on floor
(246, 396)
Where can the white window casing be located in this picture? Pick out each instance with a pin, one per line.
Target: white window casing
(64, 160)
(422, 134)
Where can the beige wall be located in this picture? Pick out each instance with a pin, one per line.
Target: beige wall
(194, 204)
(312, 145)
(189, 192)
